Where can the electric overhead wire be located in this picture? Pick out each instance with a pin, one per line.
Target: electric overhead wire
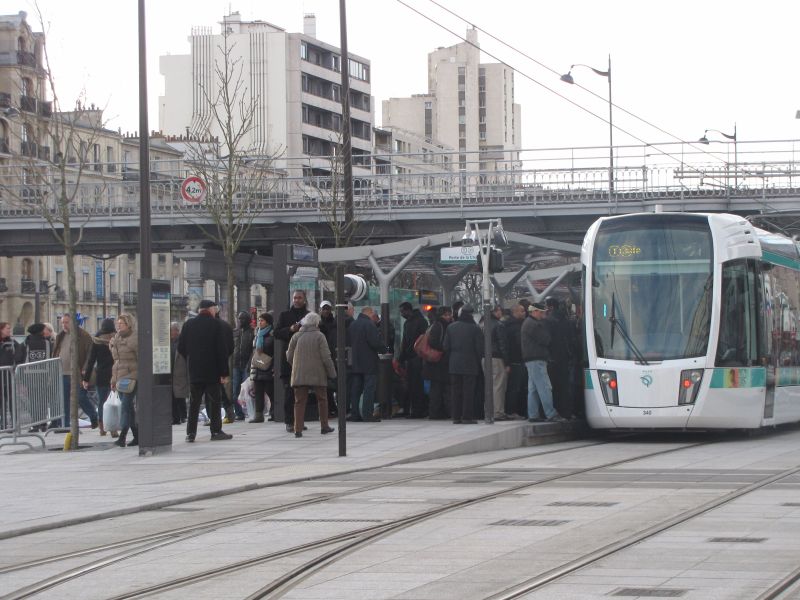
(565, 98)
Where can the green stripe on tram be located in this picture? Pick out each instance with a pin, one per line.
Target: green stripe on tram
(778, 259)
(587, 380)
(736, 377)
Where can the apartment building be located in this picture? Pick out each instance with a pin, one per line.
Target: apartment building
(293, 82)
(409, 167)
(469, 106)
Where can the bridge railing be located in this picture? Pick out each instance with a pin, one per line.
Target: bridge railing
(507, 182)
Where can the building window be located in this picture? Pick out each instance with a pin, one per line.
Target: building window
(303, 51)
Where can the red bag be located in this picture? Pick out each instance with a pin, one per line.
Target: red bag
(423, 349)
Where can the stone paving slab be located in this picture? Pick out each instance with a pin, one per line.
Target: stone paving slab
(42, 489)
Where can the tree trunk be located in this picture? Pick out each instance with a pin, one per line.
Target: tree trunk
(75, 370)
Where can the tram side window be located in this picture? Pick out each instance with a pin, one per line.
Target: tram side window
(736, 346)
(781, 298)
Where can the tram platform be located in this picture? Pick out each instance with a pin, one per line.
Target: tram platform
(42, 489)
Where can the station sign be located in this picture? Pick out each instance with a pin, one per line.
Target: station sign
(459, 255)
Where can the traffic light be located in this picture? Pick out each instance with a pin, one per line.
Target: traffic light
(495, 260)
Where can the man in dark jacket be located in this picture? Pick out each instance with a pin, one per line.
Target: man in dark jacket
(365, 344)
(242, 351)
(63, 350)
(517, 390)
(327, 325)
(463, 344)
(437, 372)
(288, 325)
(227, 331)
(202, 341)
(415, 325)
(536, 339)
(500, 363)
(563, 334)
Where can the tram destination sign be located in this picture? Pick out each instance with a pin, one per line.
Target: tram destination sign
(459, 255)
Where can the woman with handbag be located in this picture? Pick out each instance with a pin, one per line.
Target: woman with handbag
(261, 367)
(125, 350)
(312, 366)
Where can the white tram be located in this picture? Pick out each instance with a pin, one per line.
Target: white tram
(691, 321)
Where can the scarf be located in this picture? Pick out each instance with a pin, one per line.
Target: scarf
(261, 335)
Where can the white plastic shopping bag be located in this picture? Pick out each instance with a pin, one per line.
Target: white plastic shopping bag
(112, 412)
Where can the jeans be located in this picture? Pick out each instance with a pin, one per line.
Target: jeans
(366, 384)
(128, 413)
(83, 401)
(540, 392)
(239, 375)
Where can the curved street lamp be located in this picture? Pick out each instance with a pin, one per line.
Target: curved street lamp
(730, 136)
(567, 78)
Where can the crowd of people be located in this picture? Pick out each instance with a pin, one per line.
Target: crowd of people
(438, 370)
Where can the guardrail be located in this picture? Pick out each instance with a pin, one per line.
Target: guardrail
(32, 395)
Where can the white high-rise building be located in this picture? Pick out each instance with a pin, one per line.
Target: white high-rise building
(469, 106)
(292, 79)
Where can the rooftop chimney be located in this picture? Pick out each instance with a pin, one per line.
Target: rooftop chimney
(310, 25)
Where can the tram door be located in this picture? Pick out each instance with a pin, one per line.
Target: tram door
(769, 348)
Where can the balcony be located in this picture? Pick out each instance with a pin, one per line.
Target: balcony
(87, 296)
(44, 153)
(27, 286)
(3, 285)
(61, 295)
(5, 100)
(114, 297)
(27, 103)
(4, 149)
(26, 59)
(45, 109)
(129, 298)
(44, 286)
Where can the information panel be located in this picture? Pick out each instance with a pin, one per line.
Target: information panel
(161, 316)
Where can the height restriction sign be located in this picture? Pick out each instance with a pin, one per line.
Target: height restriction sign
(193, 189)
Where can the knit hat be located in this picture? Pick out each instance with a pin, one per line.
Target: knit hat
(36, 328)
(107, 326)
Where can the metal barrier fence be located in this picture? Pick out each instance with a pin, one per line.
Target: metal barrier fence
(6, 396)
(35, 397)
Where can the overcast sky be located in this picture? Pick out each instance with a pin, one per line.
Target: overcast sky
(683, 65)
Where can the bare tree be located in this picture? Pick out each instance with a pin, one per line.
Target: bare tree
(50, 181)
(470, 289)
(239, 174)
(327, 192)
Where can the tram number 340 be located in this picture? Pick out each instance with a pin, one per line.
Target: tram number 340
(647, 412)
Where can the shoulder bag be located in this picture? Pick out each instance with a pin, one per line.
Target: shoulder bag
(423, 349)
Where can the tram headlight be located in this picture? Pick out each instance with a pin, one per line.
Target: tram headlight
(608, 384)
(689, 386)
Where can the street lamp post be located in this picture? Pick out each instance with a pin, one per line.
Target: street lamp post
(474, 235)
(730, 136)
(567, 78)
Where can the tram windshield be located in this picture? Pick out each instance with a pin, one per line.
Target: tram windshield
(651, 287)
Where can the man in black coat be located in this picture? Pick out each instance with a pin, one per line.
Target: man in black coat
(288, 325)
(558, 368)
(437, 372)
(517, 390)
(242, 351)
(203, 342)
(463, 344)
(414, 405)
(365, 344)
